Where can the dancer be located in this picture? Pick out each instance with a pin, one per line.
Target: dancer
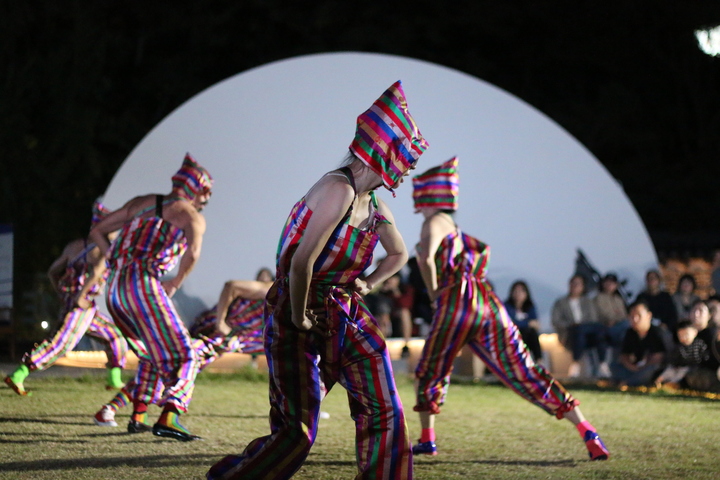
(239, 312)
(156, 232)
(318, 327)
(78, 276)
(467, 311)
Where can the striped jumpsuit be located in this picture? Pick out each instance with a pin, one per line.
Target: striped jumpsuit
(77, 321)
(245, 318)
(353, 353)
(469, 312)
(145, 249)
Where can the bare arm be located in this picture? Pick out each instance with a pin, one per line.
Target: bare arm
(329, 200)
(115, 220)
(96, 268)
(184, 216)
(433, 231)
(56, 270)
(248, 289)
(394, 246)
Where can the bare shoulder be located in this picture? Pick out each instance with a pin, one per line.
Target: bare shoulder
(332, 190)
(183, 214)
(74, 248)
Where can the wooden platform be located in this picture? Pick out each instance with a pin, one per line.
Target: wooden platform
(467, 365)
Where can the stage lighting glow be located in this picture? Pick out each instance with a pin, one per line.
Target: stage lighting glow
(709, 40)
(44, 325)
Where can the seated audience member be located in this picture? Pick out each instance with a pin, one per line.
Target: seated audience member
(575, 320)
(611, 310)
(422, 308)
(643, 350)
(713, 304)
(520, 307)
(705, 377)
(685, 297)
(688, 354)
(401, 302)
(659, 300)
(715, 275)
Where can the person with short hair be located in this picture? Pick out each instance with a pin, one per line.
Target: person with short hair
(643, 352)
(684, 297)
(156, 233)
(689, 353)
(659, 300)
(467, 312)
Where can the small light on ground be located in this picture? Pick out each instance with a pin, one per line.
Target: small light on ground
(709, 40)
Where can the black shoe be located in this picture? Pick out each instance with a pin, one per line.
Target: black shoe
(405, 352)
(138, 427)
(163, 431)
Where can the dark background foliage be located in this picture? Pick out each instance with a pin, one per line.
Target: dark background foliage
(81, 83)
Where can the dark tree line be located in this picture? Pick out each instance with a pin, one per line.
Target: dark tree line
(82, 82)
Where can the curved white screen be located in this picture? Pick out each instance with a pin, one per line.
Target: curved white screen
(527, 187)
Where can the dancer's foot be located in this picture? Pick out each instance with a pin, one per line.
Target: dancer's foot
(105, 417)
(596, 447)
(114, 379)
(138, 427)
(424, 448)
(168, 425)
(17, 387)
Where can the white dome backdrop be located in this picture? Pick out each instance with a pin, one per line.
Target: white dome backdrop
(527, 187)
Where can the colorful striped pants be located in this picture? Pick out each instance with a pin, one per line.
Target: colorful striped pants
(354, 355)
(77, 322)
(143, 311)
(469, 313)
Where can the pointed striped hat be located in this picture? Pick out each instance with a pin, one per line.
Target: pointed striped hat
(191, 180)
(386, 138)
(438, 187)
(99, 211)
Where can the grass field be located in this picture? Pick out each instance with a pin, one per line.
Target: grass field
(484, 431)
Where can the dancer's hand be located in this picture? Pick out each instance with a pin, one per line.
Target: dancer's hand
(311, 320)
(223, 328)
(83, 302)
(169, 288)
(361, 286)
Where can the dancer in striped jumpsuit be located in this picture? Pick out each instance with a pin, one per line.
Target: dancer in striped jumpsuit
(467, 312)
(78, 276)
(156, 232)
(241, 306)
(318, 328)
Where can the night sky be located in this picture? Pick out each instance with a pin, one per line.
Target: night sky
(83, 82)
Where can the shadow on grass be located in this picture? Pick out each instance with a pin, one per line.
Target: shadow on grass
(153, 461)
(47, 419)
(524, 463)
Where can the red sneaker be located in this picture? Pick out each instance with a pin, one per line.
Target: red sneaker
(596, 448)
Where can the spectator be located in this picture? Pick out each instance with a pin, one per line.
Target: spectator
(400, 301)
(685, 297)
(688, 354)
(611, 310)
(659, 300)
(576, 323)
(715, 276)
(422, 311)
(521, 309)
(705, 377)
(643, 349)
(713, 304)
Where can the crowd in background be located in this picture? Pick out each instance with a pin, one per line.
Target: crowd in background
(658, 339)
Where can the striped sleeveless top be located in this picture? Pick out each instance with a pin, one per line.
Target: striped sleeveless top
(348, 251)
(151, 242)
(460, 256)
